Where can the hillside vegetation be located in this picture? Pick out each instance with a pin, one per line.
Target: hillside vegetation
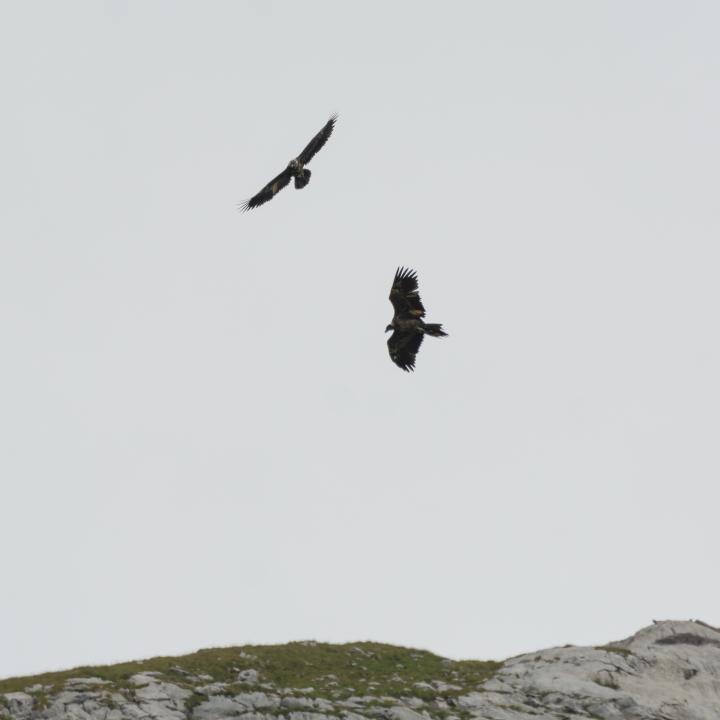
(318, 669)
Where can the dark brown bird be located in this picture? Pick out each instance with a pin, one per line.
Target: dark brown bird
(295, 169)
(407, 324)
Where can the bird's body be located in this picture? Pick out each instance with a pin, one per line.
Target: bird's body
(299, 173)
(295, 169)
(407, 324)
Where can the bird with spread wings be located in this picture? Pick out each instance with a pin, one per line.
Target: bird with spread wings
(407, 324)
(295, 169)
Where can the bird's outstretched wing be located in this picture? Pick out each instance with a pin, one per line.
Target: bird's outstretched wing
(403, 347)
(268, 192)
(404, 294)
(317, 142)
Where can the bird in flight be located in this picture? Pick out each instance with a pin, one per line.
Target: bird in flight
(295, 169)
(407, 324)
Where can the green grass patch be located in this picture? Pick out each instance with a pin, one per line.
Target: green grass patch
(332, 671)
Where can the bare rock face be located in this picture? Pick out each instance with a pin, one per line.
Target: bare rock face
(668, 671)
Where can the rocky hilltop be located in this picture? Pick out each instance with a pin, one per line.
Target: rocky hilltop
(667, 671)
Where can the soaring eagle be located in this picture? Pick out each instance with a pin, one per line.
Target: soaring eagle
(407, 324)
(295, 169)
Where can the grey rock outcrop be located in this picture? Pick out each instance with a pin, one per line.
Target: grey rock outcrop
(667, 671)
(249, 676)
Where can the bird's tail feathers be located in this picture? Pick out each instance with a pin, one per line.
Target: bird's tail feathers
(302, 181)
(434, 329)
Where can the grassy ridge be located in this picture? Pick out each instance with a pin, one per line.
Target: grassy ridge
(332, 671)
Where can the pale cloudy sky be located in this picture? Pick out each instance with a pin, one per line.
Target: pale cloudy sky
(204, 441)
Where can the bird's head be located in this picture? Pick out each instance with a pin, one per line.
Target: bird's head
(294, 164)
(389, 328)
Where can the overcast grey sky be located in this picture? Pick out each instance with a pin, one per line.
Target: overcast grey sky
(204, 440)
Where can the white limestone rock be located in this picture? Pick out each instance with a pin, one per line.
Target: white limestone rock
(212, 688)
(162, 692)
(19, 704)
(307, 716)
(400, 712)
(323, 706)
(412, 702)
(297, 703)
(252, 677)
(220, 706)
(257, 701)
(670, 671)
